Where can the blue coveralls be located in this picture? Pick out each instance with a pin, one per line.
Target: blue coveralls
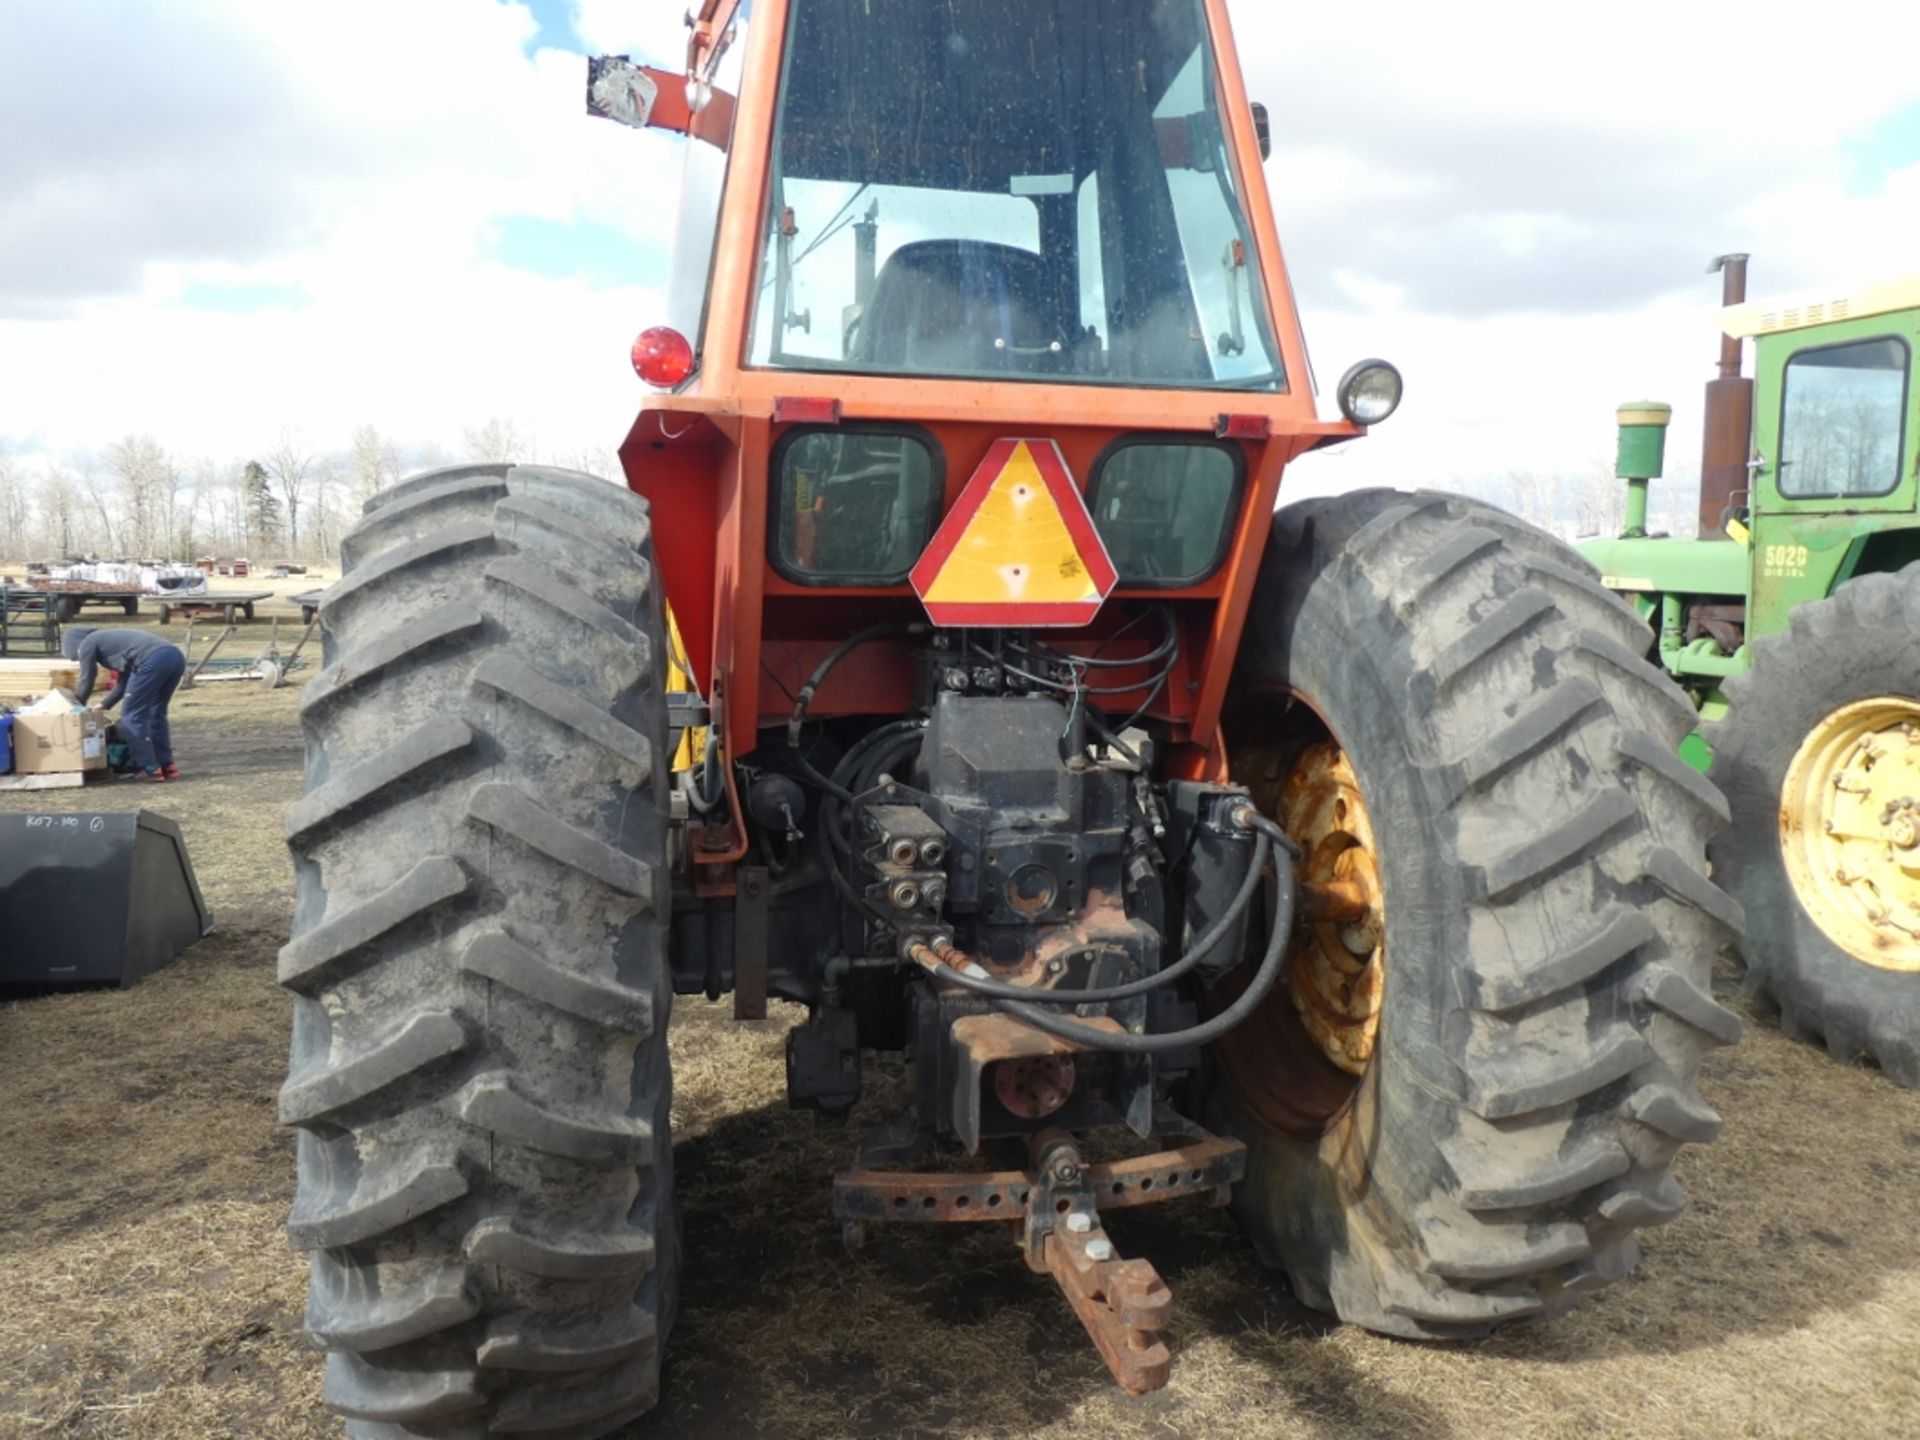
(150, 669)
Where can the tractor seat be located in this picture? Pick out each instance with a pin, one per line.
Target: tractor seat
(962, 307)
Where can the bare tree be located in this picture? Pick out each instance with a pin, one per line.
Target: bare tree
(328, 516)
(1523, 493)
(199, 515)
(498, 441)
(60, 516)
(375, 464)
(96, 487)
(291, 468)
(15, 512)
(601, 460)
(1599, 500)
(148, 488)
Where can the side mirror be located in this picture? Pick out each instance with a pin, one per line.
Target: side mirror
(1263, 127)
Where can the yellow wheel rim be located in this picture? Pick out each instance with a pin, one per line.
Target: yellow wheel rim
(1335, 963)
(1850, 830)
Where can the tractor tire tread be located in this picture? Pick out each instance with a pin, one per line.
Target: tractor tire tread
(495, 955)
(517, 1345)
(436, 547)
(393, 1194)
(394, 653)
(1861, 642)
(429, 884)
(508, 675)
(360, 1390)
(477, 1171)
(1537, 725)
(338, 1318)
(1589, 925)
(381, 774)
(419, 1041)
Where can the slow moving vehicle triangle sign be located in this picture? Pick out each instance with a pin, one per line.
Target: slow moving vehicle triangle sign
(1018, 547)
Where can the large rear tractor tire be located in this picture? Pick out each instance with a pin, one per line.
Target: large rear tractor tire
(479, 1068)
(1465, 1100)
(1819, 756)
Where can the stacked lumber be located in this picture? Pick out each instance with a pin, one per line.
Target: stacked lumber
(36, 676)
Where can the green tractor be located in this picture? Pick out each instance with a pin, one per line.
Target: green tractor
(1794, 622)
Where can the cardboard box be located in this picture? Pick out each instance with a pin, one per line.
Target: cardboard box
(49, 744)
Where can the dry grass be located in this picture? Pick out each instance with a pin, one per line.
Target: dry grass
(146, 1291)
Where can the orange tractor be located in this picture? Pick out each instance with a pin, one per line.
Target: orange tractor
(1337, 864)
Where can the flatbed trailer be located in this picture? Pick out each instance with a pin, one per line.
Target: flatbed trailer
(309, 603)
(66, 604)
(231, 607)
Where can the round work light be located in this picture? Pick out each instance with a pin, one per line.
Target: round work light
(1370, 392)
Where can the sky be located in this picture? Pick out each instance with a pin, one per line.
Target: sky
(221, 220)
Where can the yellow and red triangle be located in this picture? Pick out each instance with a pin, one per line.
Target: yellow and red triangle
(1018, 548)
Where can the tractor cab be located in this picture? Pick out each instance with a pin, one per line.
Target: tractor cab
(1828, 489)
(1836, 443)
(911, 232)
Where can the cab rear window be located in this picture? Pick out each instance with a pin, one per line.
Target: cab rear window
(855, 507)
(1165, 508)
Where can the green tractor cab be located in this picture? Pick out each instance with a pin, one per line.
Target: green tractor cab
(1794, 624)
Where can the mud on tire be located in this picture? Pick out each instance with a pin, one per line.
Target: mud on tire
(479, 1069)
(1549, 927)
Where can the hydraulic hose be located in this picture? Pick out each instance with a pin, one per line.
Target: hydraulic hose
(807, 691)
(697, 783)
(1257, 991)
(846, 647)
(1211, 938)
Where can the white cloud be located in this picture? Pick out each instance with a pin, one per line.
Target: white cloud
(365, 175)
(1515, 202)
(654, 33)
(1627, 143)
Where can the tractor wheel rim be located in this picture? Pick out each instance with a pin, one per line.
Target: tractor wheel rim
(1299, 1062)
(1850, 830)
(1336, 958)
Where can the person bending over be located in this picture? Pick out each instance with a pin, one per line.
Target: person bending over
(150, 669)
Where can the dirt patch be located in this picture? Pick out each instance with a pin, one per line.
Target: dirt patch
(147, 1292)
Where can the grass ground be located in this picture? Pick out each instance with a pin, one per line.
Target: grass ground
(147, 1292)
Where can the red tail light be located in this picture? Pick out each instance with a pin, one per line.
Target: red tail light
(662, 357)
(1243, 427)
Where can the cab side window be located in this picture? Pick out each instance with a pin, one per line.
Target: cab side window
(1842, 427)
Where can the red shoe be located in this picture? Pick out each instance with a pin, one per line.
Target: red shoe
(170, 771)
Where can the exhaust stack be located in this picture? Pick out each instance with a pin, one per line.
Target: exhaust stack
(1728, 423)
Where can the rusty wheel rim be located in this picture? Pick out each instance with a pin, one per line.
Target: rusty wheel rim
(1298, 1061)
(1336, 959)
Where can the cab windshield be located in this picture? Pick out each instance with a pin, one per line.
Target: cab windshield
(1009, 189)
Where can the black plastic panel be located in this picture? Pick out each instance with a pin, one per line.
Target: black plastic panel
(94, 899)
